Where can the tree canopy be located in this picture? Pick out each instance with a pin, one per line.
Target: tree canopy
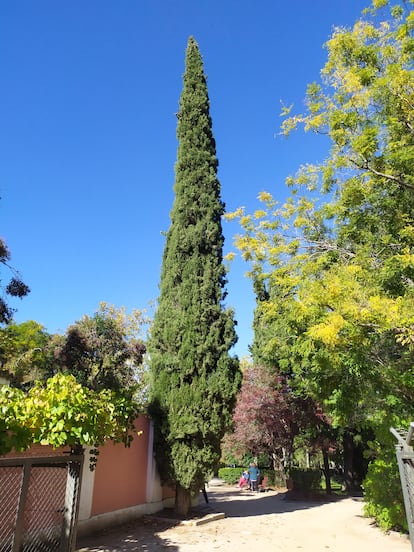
(78, 389)
(193, 378)
(104, 351)
(62, 412)
(23, 355)
(333, 264)
(268, 417)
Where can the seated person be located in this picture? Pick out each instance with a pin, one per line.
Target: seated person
(244, 479)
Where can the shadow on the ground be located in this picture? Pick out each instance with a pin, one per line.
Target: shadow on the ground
(245, 504)
(146, 534)
(141, 534)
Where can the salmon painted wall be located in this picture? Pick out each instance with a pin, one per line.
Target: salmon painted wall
(121, 473)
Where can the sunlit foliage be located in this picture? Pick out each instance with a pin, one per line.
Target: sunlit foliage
(333, 266)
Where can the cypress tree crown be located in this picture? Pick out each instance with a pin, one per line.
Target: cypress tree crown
(193, 378)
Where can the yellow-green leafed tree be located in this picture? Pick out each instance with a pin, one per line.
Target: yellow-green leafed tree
(333, 267)
(62, 412)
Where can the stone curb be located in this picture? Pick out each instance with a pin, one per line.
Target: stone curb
(214, 516)
(204, 520)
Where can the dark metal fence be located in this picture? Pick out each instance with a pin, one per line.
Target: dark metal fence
(39, 502)
(405, 459)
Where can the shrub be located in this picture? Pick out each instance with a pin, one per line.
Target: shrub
(61, 412)
(305, 480)
(271, 476)
(383, 494)
(230, 475)
(274, 478)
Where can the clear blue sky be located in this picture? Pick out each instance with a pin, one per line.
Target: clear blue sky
(89, 91)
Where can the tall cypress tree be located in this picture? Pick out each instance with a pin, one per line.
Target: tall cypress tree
(194, 380)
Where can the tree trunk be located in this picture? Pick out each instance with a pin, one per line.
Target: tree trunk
(277, 463)
(182, 501)
(349, 479)
(327, 472)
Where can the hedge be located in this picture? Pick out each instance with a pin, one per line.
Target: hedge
(305, 480)
(231, 476)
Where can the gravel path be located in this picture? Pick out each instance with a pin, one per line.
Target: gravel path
(262, 522)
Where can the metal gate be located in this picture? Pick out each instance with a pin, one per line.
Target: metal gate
(405, 459)
(39, 502)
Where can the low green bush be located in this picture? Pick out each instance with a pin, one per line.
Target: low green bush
(383, 494)
(271, 476)
(305, 480)
(230, 475)
(274, 478)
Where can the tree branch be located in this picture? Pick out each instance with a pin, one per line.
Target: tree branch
(367, 167)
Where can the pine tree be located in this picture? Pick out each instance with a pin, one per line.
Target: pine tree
(194, 380)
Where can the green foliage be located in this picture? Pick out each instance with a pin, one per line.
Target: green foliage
(23, 352)
(14, 288)
(233, 452)
(13, 433)
(230, 475)
(62, 412)
(275, 478)
(383, 494)
(333, 266)
(305, 480)
(104, 351)
(382, 486)
(59, 410)
(193, 378)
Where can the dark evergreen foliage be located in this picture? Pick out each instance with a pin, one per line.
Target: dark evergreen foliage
(15, 288)
(194, 380)
(97, 352)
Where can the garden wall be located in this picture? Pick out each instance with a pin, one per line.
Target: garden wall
(124, 485)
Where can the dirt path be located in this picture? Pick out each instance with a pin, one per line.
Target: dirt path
(260, 522)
